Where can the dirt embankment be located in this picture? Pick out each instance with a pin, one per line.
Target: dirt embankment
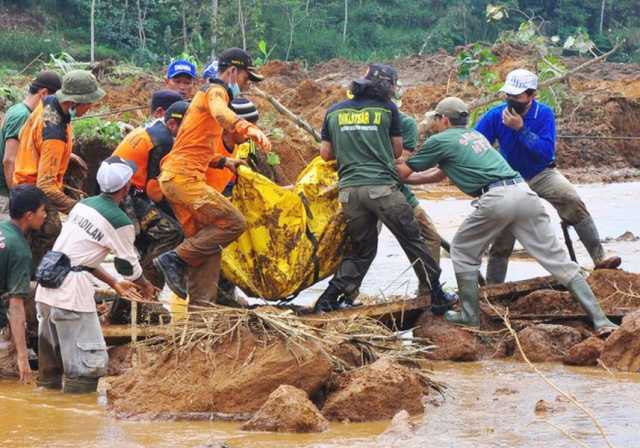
(550, 325)
(602, 101)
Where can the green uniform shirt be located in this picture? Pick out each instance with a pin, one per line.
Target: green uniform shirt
(409, 129)
(15, 266)
(360, 132)
(467, 158)
(13, 122)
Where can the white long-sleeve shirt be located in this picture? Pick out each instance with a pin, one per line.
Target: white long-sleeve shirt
(96, 226)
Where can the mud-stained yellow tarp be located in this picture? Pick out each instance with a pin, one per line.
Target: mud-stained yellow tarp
(294, 238)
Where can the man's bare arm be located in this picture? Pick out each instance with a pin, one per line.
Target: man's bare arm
(326, 151)
(9, 160)
(430, 176)
(18, 325)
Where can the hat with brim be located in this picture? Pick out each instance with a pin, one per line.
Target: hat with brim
(85, 98)
(378, 72)
(80, 86)
(519, 81)
(512, 90)
(254, 75)
(452, 107)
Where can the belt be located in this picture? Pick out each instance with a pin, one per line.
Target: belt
(501, 183)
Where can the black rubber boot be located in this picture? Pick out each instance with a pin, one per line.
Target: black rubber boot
(174, 271)
(80, 385)
(328, 301)
(51, 382)
(441, 301)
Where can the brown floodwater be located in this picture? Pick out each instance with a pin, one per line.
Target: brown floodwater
(490, 404)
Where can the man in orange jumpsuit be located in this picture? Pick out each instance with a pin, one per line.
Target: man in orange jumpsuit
(46, 140)
(215, 222)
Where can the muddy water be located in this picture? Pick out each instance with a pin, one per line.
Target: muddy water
(491, 404)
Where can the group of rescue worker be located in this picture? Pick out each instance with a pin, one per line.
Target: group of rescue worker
(164, 209)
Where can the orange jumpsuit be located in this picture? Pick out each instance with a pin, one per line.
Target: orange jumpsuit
(209, 220)
(43, 155)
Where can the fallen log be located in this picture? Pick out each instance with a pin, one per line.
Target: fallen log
(508, 292)
(299, 121)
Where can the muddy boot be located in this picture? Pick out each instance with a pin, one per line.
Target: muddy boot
(497, 269)
(50, 382)
(328, 301)
(469, 313)
(174, 270)
(442, 301)
(582, 292)
(588, 233)
(80, 385)
(202, 282)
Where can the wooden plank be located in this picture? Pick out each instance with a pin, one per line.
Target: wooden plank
(397, 314)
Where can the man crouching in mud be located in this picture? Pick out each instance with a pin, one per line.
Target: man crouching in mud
(363, 134)
(505, 203)
(70, 339)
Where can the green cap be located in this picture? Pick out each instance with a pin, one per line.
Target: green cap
(452, 107)
(80, 86)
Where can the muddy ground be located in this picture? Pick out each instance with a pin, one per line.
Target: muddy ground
(603, 100)
(238, 376)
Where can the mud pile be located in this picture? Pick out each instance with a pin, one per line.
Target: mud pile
(601, 101)
(550, 326)
(235, 378)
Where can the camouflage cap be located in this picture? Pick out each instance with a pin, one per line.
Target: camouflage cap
(80, 86)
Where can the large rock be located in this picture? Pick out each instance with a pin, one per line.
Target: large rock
(547, 342)
(235, 377)
(586, 353)
(375, 392)
(622, 349)
(288, 409)
(452, 342)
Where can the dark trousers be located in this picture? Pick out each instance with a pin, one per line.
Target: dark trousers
(363, 207)
(156, 232)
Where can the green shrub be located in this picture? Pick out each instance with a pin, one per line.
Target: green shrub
(96, 129)
(23, 47)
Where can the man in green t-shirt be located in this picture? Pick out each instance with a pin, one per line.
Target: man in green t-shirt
(409, 129)
(363, 134)
(46, 83)
(505, 202)
(27, 210)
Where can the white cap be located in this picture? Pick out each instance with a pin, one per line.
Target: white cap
(518, 81)
(114, 173)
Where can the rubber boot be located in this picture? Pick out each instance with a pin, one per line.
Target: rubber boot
(469, 314)
(441, 301)
(582, 292)
(328, 300)
(174, 270)
(54, 382)
(80, 385)
(588, 233)
(497, 269)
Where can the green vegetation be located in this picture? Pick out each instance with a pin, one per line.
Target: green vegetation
(97, 129)
(152, 32)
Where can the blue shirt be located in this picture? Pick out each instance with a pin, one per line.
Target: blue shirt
(529, 150)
